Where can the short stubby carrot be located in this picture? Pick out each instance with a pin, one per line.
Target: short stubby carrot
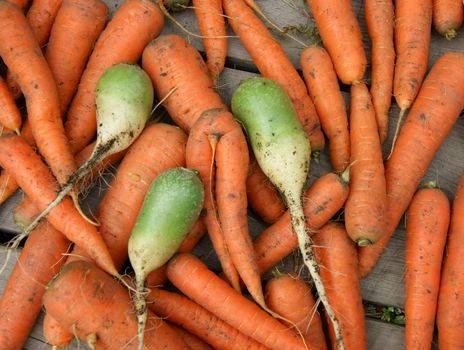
(380, 21)
(77, 26)
(450, 312)
(427, 222)
(448, 16)
(134, 24)
(341, 35)
(429, 122)
(215, 295)
(322, 201)
(10, 116)
(322, 83)
(273, 63)
(177, 69)
(22, 55)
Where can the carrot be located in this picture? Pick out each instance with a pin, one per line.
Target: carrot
(380, 20)
(194, 342)
(336, 255)
(133, 25)
(176, 68)
(77, 26)
(198, 321)
(22, 55)
(261, 45)
(54, 332)
(263, 198)
(290, 296)
(429, 122)
(450, 315)
(365, 207)
(10, 116)
(216, 296)
(321, 202)
(427, 224)
(340, 33)
(85, 298)
(448, 16)
(322, 83)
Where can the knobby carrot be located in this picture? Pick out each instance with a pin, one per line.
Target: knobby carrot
(450, 312)
(429, 122)
(322, 201)
(427, 224)
(380, 20)
(10, 116)
(322, 83)
(133, 25)
(193, 342)
(261, 46)
(77, 26)
(341, 36)
(448, 16)
(216, 296)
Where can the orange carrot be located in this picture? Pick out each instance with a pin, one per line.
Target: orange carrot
(216, 296)
(8, 186)
(193, 342)
(261, 45)
(448, 16)
(10, 116)
(195, 234)
(450, 313)
(336, 254)
(41, 16)
(77, 26)
(322, 83)
(427, 224)
(322, 200)
(54, 332)
(289, 296)
(380, 20)
(341, 36)
(429, 122)
(198, 321)
(133, 25)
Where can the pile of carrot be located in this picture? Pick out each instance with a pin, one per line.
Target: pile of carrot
(57, 52)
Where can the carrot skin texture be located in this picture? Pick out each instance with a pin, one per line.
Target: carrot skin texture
(448, 16)
(10, 116)
(322, 83)
(8, 186)
(193, 341)
(427, 224)
(140, 19)
(67, 55)
(54, 332)
(380, 20)
(429, 122)
(41, 17)
(450, 315)
(261, 45)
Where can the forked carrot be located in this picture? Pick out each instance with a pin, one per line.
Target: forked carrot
(10, 116)
(448, 16)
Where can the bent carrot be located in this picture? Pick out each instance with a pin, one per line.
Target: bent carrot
(10, 116)
(427, 224)
(448, 16)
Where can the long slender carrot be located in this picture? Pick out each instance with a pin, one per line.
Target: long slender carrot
(429, 122)
(10, 116)
(450, 312)
(133, 25)
(261, 45)
(322, 83)
(323, 199)
(198, 321)
(216, 296)
(22, 55)
(427, 224)
(77, 26)
(448, 16)
(193, 342)
(380, 20)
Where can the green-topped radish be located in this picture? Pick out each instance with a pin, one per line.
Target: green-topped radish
(283, 152)
(171, 207)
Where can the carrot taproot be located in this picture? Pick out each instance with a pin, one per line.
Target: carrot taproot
(322, 200)
(427, 224)
(450, 315)
(380, 21)
(74, 299)
(289, 296)
(448, 16)
(22, 55)
(341, 35)
(198, 321)
(77, 26)
(261, 45)
(10, 116)
(429, 122)
(322, 83)
(193, 342)
(336, 255)
(216, 296)
(140, 19)
(365, 207)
